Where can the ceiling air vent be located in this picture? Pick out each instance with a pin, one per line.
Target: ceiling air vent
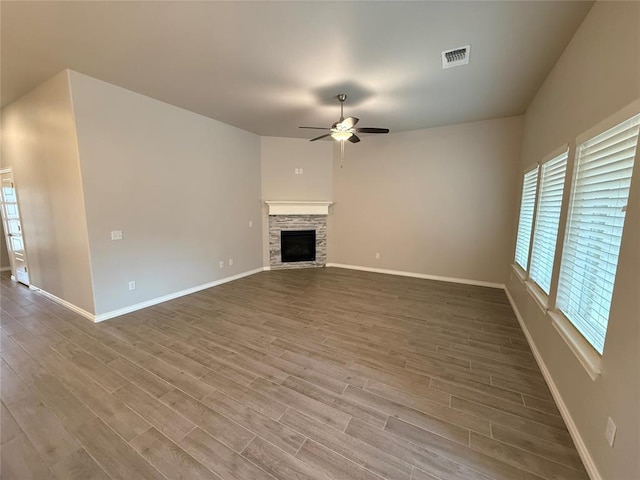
(456, 57)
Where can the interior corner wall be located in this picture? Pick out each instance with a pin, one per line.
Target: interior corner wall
(4, 255)
(181, 187)
(597, 75)
(279, 160)
(436, 202)
(39, 144)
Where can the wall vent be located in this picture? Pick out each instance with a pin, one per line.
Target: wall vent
(456, 57)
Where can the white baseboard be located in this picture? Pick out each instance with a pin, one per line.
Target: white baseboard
(64, 303)
(463, 281)
(5, 269)
(154, 301)
(589, 464)
(148, 303)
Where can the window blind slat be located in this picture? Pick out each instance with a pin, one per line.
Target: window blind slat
(547, 220)
(611, 154)
(594, 232)
(525, 222)
(605, 173)
(610, 137)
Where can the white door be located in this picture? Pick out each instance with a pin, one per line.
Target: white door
(13, 229)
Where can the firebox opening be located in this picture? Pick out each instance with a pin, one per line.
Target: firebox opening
(298, 246)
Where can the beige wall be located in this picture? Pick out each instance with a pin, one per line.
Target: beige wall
(279, 158)
(435, 202)
(4, 256)
(181, 187)
(39, 143)
(597, 75)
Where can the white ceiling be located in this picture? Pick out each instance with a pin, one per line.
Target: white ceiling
(268, 67)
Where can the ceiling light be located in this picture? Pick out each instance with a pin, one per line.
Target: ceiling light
(345, 128)
(341, 136)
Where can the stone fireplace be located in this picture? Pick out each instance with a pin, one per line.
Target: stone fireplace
(297, 217)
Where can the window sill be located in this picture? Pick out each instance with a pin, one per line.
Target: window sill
(585, 354)
(521, 274)
(538, 295)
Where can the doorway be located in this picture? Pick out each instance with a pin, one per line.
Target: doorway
(13, 227)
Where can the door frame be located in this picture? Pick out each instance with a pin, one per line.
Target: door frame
(4, 171)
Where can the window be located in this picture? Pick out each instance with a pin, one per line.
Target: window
(525, 223)
(552, 175)
(596, 218)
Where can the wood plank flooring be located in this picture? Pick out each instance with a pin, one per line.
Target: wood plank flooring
(301, 374)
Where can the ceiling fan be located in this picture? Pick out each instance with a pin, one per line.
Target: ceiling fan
(345, 128)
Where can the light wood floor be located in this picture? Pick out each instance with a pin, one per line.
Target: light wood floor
(299, 374)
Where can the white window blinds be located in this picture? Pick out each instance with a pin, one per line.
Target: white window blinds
(594, 232)
(525, 222)
(547, 219)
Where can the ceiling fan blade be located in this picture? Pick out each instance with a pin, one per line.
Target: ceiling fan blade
(316, 128)
(372, 130)
(354, 139)
(350, 122)
(321, 136)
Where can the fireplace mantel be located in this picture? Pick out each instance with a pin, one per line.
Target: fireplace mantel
(288, 207)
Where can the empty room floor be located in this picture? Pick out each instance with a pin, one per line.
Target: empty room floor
(299, 374)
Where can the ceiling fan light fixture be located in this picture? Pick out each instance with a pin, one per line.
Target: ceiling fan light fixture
(345, 128)
(341, 136)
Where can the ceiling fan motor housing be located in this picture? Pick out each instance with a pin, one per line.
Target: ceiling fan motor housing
(344, 129)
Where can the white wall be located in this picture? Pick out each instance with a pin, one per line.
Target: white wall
(181, 187)
(598, 74)
(39, 143)
(435, 202)
(279, 157)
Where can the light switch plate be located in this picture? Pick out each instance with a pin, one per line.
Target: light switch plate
(610, 432)
(116, 235)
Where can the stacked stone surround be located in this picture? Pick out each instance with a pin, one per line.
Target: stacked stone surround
(277, 223)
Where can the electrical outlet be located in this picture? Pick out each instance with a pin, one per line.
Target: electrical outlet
(230, 261)
(377, 256)
(222, 264)
(116, 235)
(132, 285)
(250, 223)
(296, 171)
(610, 432)
(300, 171)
